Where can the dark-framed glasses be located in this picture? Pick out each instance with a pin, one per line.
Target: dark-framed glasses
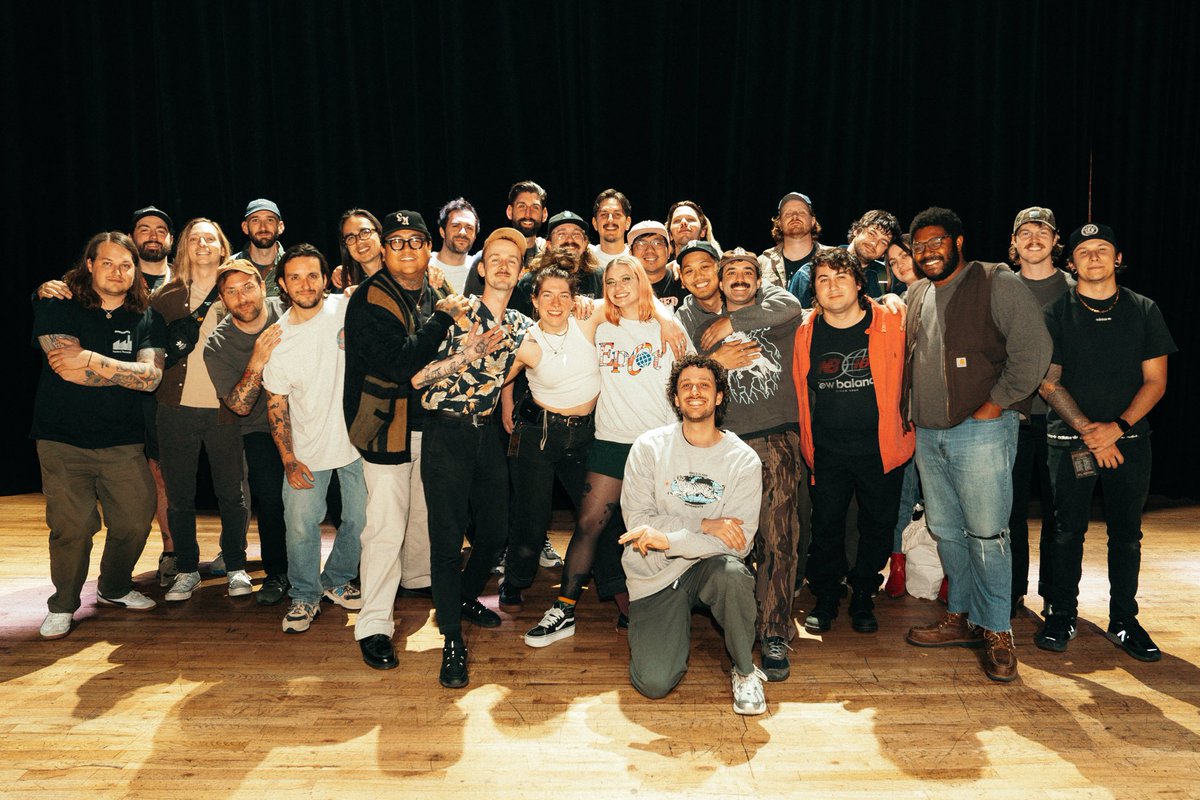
(351, 239)
(398, 243)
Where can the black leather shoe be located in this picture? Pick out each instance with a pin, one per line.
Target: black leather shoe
(481, 615)
(862, 613)
(377, 651)
(510, 598)
(454, 664)
(820, 619)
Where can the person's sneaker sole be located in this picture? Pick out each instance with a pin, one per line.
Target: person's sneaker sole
(550, 638)
(777, 674)
(104, 601)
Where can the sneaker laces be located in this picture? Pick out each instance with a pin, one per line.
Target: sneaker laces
(552, 618)
(776, 648)
(746, 685)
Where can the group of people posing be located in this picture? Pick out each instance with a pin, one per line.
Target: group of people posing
(715, 417)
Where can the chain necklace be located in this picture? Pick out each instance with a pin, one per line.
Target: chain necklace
(562, 340)
(1094, 310)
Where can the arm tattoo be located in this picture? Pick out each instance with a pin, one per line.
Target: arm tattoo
(280, 422)
(241, 398)
(142, 375)
(440, 369)
(53, 341)
(1058, 398)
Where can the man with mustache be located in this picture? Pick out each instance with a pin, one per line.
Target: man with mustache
(610, 218)
(263, 225)
(527, 212)
(567, 249)
(463, 466)
(976, 349)
(849, 363)
(151, 233)
(868, 238)
(304, 380)
(795, 230)
(236, 355)
(458, 225)
(1034, 249)
(753, 337)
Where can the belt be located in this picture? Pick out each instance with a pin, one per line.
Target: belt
(532, 411)
(475, 420)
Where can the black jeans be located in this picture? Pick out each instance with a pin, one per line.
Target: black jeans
(539, 451)
(181, 431)
(466, 478)
(1031, 470)
(264, 471)
(837, 478)
(1125, 490)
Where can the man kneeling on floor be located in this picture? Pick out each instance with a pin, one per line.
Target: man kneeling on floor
(691, 498)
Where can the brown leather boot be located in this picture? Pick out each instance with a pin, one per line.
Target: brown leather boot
(952, 630)
(1000, 657)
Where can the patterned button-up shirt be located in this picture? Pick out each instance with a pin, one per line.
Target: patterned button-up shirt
(476, 389)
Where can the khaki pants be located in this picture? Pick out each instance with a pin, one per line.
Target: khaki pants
(73, 480)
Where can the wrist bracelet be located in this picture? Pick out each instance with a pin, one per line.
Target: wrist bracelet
(1122, 424)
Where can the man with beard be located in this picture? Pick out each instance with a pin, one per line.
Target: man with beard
(976, 349)
(190, 415)
(527, 212)
(568, 250)
(304, 379)
(458, 225)
(151, 233)
(236, 355)
(849, 364)
(691, 499)
(1034, 248)
(795, 230)
(754, 339)
(263, 225)
(87, 427)
(463, 467)
(610, 218)
(1108, 371)
(650, 242)
(395, 321)
(868, 238)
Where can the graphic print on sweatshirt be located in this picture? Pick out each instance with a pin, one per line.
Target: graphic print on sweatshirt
(696, 489)
(641, 357)
(758, 380)
(844, 372)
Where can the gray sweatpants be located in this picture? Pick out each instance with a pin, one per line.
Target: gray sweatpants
(660, 626)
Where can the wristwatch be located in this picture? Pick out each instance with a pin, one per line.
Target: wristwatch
(1122, 424)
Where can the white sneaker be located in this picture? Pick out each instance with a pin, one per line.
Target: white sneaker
(239, 583)
(56, 625)
(185, 583)
(133, 600)
(300, 616)
(167, 569)
(549, 557)
(748, 692)
(217, 567)
(347, 596)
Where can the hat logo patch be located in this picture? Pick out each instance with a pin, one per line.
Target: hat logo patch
(1034, 214)
(403, 220)
(1089, 230)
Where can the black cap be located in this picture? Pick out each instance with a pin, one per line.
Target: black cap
(151, 211)
(1093, 231)
(697, 245)
(403, 220)
(566, 218)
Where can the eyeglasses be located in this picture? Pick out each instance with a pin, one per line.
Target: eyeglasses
(646, 242)
(351, 239)
(397, 243)
(929, 244)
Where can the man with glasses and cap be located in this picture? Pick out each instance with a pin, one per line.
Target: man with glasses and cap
(651, 244)
(263, 225)
(1109, 369)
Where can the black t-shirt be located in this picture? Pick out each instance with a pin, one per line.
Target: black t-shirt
(1101, 355)
(845, 413)
(89, 416)
(670, 291)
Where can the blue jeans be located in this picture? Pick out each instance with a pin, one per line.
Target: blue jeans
(966, 475)
(910, 495)
(303, 511)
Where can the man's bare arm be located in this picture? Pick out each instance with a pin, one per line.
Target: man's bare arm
(279, 420)
(1058, 398)
(245, 393)
(88, 368)
(476, 346)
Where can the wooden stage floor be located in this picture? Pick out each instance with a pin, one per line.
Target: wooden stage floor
(209, 698)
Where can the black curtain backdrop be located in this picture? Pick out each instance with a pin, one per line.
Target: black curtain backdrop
(984, 107)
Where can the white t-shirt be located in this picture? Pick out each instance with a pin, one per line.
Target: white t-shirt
(603, 258)
(309, 366)
(634, 370)
(456, 276)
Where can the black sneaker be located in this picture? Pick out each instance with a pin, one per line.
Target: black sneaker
(820, 619)
(453, 674)
(557, 623)
(1133, 639)
(1054, 635)
(510, 598)
(272, 591)
(476, 612)
(862, 613)
(775, 658)
(622, 621)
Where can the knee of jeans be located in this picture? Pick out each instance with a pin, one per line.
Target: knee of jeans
(998, 537)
